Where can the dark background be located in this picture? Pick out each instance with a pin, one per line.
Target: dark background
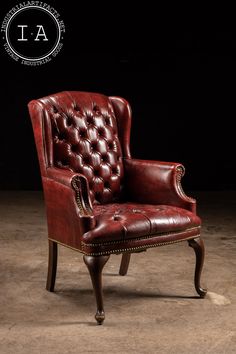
(179, 80)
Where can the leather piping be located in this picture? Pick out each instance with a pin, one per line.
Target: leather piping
(138, 238)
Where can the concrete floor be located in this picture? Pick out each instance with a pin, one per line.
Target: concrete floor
(151, 310)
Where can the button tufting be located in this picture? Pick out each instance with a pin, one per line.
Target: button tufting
(69, 121)
(111, 145)
(104, 158)
(106, 185)
(54, 109)
(82, 133)
(114, 170)
(77, 108)
(93, 146)
(85, 140)
(86, 159)
(90, 120)
(107, 121)
(100, 132)
(96, 110)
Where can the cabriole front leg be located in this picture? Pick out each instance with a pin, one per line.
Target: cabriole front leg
(198, 246)
(95, 266)
(52, 265)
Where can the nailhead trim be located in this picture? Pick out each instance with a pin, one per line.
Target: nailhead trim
(180, 172)
(77, 191)
(143, 247)
(84, 211)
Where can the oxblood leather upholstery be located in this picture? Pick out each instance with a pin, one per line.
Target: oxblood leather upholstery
(99, 200)
(84, 138)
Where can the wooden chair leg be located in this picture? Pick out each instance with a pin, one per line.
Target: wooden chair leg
(124, 265)
(95, 266)
(52, 265)
(198, 246)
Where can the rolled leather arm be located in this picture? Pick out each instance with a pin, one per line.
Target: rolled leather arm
(68, 205)
(78, 182)
(156, 182)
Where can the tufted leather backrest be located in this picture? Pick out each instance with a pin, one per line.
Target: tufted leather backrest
(81, 134)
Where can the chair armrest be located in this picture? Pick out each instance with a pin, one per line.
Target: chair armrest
(156, 182)
(69, 209)
(80, 185)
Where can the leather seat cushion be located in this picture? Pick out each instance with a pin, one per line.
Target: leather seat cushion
(129, 220)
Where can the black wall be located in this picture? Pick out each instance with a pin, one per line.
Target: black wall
(180, 83)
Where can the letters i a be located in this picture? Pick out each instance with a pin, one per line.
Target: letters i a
(40, 33)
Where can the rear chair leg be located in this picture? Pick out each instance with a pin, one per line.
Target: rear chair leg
(124, 265)
(198, 246)
(95, 266)
(52, 265)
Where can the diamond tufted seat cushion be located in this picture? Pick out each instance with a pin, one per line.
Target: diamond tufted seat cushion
(129, 220)
(123, 223)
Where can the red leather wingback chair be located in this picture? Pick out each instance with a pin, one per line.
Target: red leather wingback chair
(99, 200)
